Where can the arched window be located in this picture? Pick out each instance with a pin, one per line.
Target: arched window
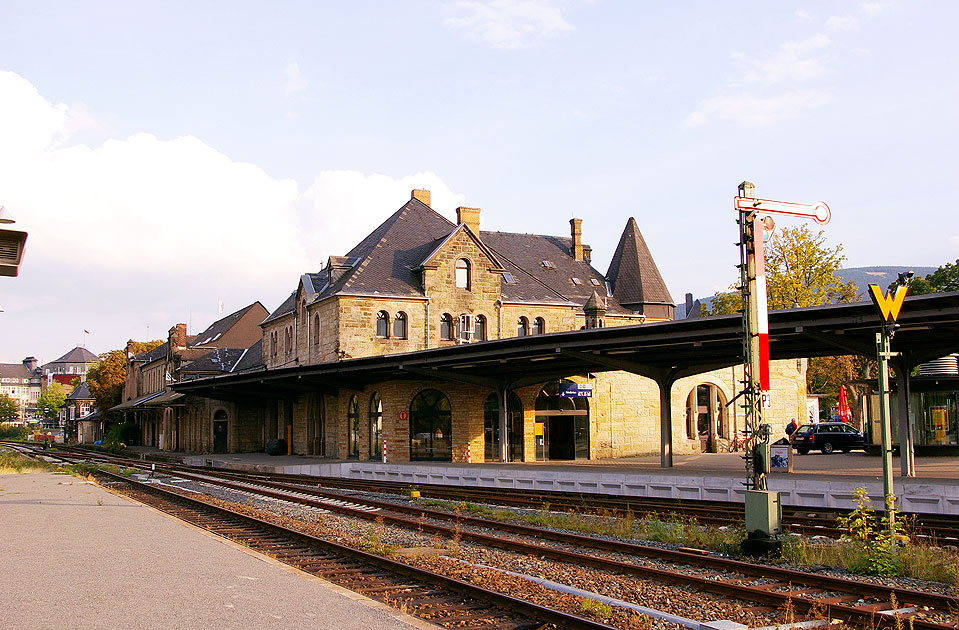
(383, 324)
(479, 328)
(463, 273)
(431, 427)
(303, 313)
(446, 327)
(514, 426)
(539, 326)
(273, 344)
(288, 341)
(353, 426)
(316, 329)
(376, 426)
(522, 327)
(399, 326)
(706, 416)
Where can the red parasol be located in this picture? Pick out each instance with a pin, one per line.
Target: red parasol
(845, 413)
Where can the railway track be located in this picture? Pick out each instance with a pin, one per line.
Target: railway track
(438, 599)
(856, 602)
(935, 528)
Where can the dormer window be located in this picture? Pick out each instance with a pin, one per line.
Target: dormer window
(383, 324)
(576, 281)
(509, 278)
(463, 274)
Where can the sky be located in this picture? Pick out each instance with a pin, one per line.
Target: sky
(168, 156)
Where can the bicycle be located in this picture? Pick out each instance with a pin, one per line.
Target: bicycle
(736, 443)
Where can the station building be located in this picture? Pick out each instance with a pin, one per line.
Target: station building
(419, 282)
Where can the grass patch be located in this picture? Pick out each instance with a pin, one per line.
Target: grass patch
(595, 608)
(373, 539)
(13, 463)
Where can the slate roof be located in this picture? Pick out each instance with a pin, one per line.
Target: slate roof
(77, 355)
(252, 360)
(16, 370)
(633, 274)
(387, 261)
(220, 326)
(283, 309)
(217, 360)
(82, 392)
(157, 353)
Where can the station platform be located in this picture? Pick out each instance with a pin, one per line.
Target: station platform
(817, 481)
(77, 556)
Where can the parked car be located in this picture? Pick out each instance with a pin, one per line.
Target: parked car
(827, 437)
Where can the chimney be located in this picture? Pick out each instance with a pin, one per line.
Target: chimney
(587, 253)
(177, 336)
(129, 348)
(576, 231)
(421, 194)
(469, 216)
(689, 303)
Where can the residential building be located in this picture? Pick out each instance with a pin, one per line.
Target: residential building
(76, 413)
(22, 383)
(72, 365)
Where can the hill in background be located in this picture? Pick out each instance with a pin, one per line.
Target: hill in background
(863, 276)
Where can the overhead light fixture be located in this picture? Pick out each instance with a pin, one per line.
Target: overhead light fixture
(5, 216)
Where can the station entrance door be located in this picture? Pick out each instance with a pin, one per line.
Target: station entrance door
(562, 425)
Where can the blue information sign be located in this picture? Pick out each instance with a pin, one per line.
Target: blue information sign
(575, 390)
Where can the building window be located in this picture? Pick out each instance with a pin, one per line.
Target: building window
(353, 426)
(466, 327)
(446, 327)
(463, 273)
(431, 427)
(288, 341)
(316, 329)
(479, 328)
(273, 336)
(383, 324)
(522, 327)
(539, 326)
(376, 426)
(399, 326)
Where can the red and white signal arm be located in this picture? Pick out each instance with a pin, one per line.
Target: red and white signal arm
(818, 212)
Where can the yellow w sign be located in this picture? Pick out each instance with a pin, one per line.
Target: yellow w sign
(888, 305)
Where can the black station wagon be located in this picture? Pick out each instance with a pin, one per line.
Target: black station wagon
(827, 437)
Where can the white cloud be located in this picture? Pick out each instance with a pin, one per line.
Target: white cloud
(792, 61)
(294, 81)
(803, 16)
(143, 231)
(872, 9)
(749, 110)
(508, 24)
(842, 23)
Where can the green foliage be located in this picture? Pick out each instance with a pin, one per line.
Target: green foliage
(120, 435)
(11, 462)
(801, 270)
(50, 401)
(106, 376)
(873, 537)
(942, 280)
(9, 409)
(595, 608)
(13, 432)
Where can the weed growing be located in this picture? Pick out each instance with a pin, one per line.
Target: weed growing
(595, 608)
(13, 463)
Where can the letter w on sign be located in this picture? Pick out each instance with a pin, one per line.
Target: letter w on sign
(888, 305)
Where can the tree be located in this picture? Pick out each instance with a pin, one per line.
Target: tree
(50, 401)
(106, 377)
(942, 280)
(800, 271)
(9, 409)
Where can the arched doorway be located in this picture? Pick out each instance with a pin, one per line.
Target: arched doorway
(514, 424)
(220, 426)
(562, 424)
(706, 417)
(431, 427)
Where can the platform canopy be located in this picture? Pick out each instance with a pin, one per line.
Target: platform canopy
(666, 351)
